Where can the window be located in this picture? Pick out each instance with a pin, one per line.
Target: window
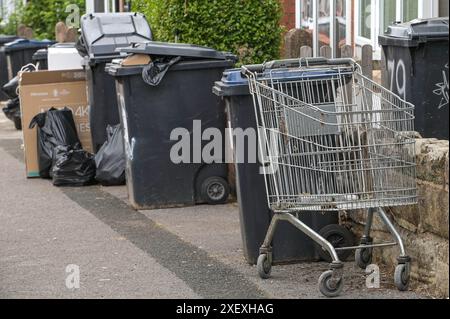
(326, 21)
(365, 18)
(341, 25)
(389, 13)
(410, 10)
(306, 14)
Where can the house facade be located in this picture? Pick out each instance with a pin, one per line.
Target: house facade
(356, 22)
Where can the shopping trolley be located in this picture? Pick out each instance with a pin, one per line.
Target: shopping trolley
(330, 139)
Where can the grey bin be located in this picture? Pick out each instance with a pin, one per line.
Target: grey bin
(416, 69)
(150, 113)
(101, 35)
(289, 244)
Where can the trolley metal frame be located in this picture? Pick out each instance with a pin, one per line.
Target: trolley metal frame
(335, 141)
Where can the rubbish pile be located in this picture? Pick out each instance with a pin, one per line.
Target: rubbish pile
(61, 156)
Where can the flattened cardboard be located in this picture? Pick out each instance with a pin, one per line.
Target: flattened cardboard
(136, 59)
(40, 91)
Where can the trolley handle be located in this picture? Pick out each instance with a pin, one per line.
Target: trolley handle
(295, 63)
(252, 68)
(292, 63)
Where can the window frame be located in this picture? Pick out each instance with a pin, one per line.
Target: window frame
(359, 39)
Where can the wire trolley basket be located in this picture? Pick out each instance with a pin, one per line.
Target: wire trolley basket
(334, 140)
(331, 139)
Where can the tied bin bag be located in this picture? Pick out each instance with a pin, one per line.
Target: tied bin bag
(54, 128)
(72, 166)
(60, 154)
(110, 159)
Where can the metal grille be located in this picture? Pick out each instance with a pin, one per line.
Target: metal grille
(333, 139)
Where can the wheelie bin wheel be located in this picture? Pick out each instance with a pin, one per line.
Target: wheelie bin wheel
(338, 236)
(215, 190)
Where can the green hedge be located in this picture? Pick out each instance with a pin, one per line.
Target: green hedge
(42, 16)
(249, 28)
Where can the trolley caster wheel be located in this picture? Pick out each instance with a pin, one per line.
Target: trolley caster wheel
(338, 236)
(215, 190)
(363, 257)
(402, 276)
(264, 266)
(330, 286)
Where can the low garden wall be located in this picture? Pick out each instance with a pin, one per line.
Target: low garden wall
(424, 228)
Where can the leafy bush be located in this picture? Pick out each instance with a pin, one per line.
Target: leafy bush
(249, 28)
(41, 16)
(10, 26)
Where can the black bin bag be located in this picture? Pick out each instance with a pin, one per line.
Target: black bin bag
(12, 112)
(12, 108)
(54, 128)
(10, 88)
(72, 166)
(110, 159)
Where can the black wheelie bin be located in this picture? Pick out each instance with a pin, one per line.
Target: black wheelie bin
(3, 65)
(416, 69)
(289, 244)
(20, 53)
(165, 124)
(101, 35)
(40, 59)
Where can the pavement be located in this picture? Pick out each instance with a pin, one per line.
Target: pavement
(191, 252)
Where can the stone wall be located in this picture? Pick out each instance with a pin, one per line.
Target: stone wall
(424, 228)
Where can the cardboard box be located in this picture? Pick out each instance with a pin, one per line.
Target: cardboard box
(40, 91)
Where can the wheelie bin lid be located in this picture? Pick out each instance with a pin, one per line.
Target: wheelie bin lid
(415, 32)
(234, 82)
(24, 44)
(68, 45)
(103, 33)
(7, 38)
(177, 49)
(118, 70)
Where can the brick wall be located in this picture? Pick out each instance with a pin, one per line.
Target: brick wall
(288, 19)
